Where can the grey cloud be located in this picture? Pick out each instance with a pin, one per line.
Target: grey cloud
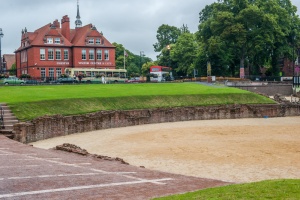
(132, 23)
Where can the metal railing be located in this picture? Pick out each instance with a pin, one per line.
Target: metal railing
(296, 81)
(1, 117)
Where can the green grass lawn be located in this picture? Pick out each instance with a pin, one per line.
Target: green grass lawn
(274, 189)
(29, 102)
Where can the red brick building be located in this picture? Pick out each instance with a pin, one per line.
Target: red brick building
(49, 50)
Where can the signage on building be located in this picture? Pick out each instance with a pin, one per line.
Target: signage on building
(94, 63)
(62, 63)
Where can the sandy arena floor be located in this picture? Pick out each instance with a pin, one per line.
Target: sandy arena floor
(242, 150)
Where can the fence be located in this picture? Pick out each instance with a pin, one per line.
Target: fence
(296, 81)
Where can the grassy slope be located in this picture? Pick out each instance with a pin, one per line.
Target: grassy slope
(29, 102)
(274, 189)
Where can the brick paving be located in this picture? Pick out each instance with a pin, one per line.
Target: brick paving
(31, 173)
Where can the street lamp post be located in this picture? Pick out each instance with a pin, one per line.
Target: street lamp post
(293, 55)
(141, 55)
(169, 57)
(1, 67)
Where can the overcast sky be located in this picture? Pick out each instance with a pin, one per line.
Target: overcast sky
(133, 23)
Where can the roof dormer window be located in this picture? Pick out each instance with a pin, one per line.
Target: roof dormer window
(57, 40)
(49, 40)
(98, 41)
(91, 41)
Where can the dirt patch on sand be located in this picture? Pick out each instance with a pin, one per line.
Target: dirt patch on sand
(241, 150)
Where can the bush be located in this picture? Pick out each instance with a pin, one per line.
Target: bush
(25, 76)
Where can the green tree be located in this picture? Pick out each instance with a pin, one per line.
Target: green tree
(146, 67)
(132, 61)
(251, 31)
(133, 70)
(166, 35)
(13, 69)
(119, 55)
(184, 29)
(184, 52)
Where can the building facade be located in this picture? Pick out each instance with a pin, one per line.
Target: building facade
(49, 50)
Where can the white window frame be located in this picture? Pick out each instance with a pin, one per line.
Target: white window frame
(58, 72)
(50, 54)
(66, 54)
(57, 41)
(57, 54)
(49, 40)
(91, 54)
(51, 73)
(42, 54)
(91, 41)
(43, 73)
(106, 54)
(98, 41)
(99, 54)
(83, 54)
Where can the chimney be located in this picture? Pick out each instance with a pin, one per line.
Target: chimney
(56, 24)
(65, 27)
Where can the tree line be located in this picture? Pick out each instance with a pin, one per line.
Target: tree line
(250, 37)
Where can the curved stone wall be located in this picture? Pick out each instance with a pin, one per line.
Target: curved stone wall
(54, 126)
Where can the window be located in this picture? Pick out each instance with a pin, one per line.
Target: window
(91, 54)
(58, 72)
(98, 41)
(24, 56)
(66, 54)
(42, 54)
(51, 73)
(83, 54)
(49, 40)
(50, 54)
(43, 73)
(106, 55)
(91, 41)
(57, 41)
(99, 54)
(57, 54)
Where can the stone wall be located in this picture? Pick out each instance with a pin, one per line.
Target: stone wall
(53, 126)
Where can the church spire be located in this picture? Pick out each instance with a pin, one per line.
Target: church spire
(78, 22)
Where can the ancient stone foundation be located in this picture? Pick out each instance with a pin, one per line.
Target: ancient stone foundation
(54, 126)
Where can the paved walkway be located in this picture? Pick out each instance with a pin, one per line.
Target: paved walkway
(31, 173)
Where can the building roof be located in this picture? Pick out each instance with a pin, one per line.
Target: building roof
(10, 59)
(78, 36)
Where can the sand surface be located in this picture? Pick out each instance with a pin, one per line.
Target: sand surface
(240, 150)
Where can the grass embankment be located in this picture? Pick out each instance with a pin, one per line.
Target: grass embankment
(29, 102)
(274, 189)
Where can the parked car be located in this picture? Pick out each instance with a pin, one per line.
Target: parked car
(65, 80)
(135, 80)
(12, 80)
(32, 82)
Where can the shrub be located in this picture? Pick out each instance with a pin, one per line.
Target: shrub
(63, 76)
(25, 76)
